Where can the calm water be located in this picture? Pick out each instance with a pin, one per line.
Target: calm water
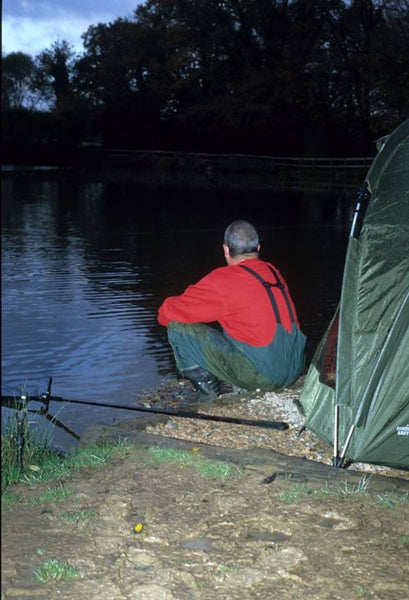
(85, 267)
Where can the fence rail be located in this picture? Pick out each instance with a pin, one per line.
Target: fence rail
(281, 161)
(237, 170)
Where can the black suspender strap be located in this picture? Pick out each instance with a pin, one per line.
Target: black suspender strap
(268, 285)
(280, 285)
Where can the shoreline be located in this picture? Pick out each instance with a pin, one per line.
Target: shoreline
(295, 442)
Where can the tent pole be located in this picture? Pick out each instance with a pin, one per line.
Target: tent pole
(344, 449)
(335, 451)
(363, 197)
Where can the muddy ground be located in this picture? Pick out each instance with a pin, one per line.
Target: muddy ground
(287, 525)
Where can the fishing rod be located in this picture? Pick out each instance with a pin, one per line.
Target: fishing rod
(46, 398)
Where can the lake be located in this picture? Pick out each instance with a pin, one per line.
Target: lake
(87, 263)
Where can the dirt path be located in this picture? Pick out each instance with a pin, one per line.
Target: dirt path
(268, 532)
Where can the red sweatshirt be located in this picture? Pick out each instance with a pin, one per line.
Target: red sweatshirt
(235, 299)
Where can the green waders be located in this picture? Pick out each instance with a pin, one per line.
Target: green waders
(268, 367)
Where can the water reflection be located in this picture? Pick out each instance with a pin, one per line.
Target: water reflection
(86, 265)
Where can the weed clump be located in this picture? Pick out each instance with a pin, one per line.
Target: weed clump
(42, 463)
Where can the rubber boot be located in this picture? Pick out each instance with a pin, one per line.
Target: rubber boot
(203, 382)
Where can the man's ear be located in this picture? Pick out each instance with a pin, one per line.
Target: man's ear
(226, 252)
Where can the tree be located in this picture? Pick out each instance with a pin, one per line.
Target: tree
(391, 67)
(55, 70)
(354, 30)
(269, 76)
(55, 79)
(18, 73)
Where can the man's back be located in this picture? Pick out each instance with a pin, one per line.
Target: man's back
(234, 298)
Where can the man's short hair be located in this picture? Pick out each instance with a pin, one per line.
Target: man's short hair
(241, 238)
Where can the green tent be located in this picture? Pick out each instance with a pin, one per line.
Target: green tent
(356, 392)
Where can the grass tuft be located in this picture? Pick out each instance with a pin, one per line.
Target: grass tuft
(298, 492)
(52, 495)
(95, 455)
(72, 517)
(392, 499)
(52, 570)
(8, 498)
(41, 463)
(36, 452)
(204, 466)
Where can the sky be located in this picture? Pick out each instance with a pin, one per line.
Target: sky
(31, 26)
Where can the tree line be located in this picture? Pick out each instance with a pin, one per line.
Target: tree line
(276, 77)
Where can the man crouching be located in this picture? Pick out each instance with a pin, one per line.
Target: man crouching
(260, 344)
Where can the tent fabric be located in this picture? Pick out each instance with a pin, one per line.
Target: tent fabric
(372, 355)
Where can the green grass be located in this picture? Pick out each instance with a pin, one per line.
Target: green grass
(41, 463)
(9, 497)
(36, 451)
(53, 494)
(52, 570)
(392, 499)
(73, 517)
(93, 456)
(227, 569)
(297, 493)
(204, 466)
